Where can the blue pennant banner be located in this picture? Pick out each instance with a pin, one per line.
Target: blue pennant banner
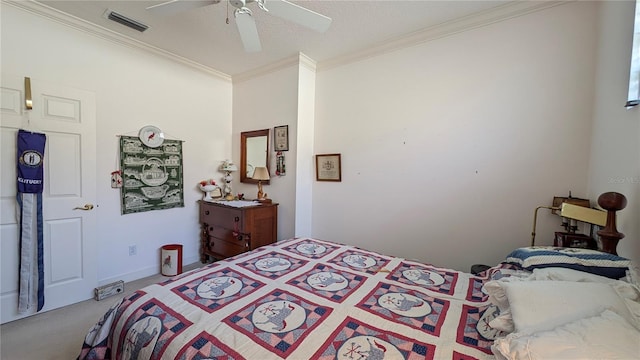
(29, 197)
(30, 161)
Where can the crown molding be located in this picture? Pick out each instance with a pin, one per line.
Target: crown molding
(504, 12)
(307, 62)
(76, 23)
(293, 60)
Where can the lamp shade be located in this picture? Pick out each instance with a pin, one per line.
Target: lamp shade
(261, 173)
(584, 214)
(228, 166)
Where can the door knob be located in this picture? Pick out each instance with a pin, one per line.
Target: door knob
(85, 207)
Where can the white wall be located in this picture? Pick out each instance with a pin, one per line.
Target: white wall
(133, 88)
(305, 166)
(615, 149)
(264, 102)
(284, 96)
(448, 146)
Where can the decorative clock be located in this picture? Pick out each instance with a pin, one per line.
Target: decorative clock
(151, 136)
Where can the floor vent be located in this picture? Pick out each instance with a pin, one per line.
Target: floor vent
(121, 19)
(104, 291)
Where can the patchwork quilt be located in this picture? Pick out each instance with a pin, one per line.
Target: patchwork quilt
(304, 299)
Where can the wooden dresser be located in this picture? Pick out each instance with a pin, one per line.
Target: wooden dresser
(228, 231)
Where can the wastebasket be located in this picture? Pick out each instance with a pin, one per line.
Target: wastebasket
(171, 260)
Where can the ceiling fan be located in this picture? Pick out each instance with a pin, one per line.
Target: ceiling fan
(244, 17)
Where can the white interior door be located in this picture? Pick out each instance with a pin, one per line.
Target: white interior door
(67, 117)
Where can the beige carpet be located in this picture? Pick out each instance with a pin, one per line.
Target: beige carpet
(58, 334)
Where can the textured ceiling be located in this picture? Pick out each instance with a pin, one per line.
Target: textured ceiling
(202, 35)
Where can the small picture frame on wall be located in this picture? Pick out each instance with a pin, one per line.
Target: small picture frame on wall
(328, 167)
(281, 138)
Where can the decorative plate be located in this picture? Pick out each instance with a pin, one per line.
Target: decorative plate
(151, 136)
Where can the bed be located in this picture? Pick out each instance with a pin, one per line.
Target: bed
(307, 298)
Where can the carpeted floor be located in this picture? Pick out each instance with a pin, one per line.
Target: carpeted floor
(58, 334)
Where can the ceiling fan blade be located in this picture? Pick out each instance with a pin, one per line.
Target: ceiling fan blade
(248, 31)
(298, 14)
(176, 6)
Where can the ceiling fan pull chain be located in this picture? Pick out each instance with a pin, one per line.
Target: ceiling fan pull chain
(227, 13)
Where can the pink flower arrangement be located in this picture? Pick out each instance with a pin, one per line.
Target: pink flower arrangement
(207, 182)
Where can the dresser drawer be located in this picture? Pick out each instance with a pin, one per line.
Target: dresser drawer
(226, 248)
(229, 218)
(228, 235)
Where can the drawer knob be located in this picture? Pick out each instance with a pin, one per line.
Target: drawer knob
(236, 219)
(206, 212)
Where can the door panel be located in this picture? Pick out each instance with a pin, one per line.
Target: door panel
(9, 257)
(11, 101)
(10, 120)
(67, 117)
(7, 175)
(61, 109)
(65, 250)
(67, 179)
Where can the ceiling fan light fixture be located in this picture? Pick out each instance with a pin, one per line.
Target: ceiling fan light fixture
(241, 11)
(238, 3)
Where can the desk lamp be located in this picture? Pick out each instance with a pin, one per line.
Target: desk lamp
(572, 212)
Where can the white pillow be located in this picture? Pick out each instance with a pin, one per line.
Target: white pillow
(534, 306)
(498, 297)
(605, 336)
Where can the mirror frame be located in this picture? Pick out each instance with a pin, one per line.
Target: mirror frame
(243, 154)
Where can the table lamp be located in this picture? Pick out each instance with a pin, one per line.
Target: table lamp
(228, 167)
(261, 174)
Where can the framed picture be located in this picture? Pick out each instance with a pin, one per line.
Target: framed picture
(281, 138)
(158, 175)
(216, 193)
(328, 167)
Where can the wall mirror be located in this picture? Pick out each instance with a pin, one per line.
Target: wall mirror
(254, 152)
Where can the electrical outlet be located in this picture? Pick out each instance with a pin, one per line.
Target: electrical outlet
(133, 250)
